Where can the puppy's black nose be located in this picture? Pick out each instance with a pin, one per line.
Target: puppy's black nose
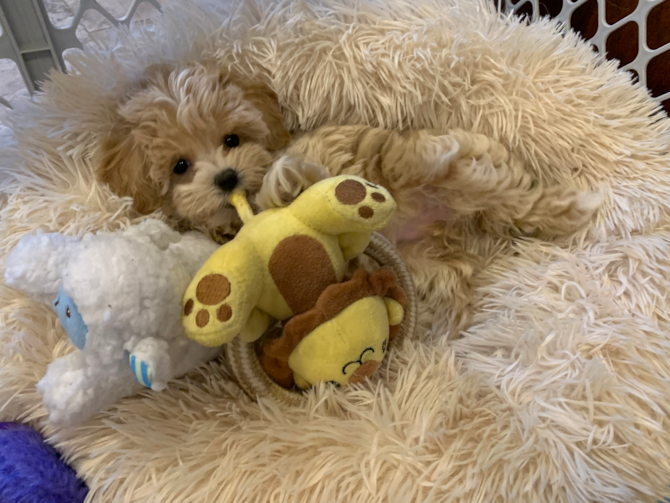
(227, 179)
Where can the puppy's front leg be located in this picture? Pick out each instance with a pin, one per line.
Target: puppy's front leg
(286, 179)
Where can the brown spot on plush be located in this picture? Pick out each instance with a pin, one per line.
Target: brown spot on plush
(394, 330)
(202, 318)
(212, 289)
(224, 313)
(378, 197)
(366, 212)
(334, 299)
(365, 370)
(280, 372)
(371, 185)
(350, 192)
(188, 307)
(301, 269)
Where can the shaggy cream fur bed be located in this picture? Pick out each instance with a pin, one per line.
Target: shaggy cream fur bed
(558, 392)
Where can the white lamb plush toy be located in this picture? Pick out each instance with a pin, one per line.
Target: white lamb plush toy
(118, 296)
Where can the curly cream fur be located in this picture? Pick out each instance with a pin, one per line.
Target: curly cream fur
(185, 113)
(474, 179)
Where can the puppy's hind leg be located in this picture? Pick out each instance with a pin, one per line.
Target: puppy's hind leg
(560, 211)
(485, 179)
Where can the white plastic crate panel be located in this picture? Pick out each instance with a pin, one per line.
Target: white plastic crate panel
(35, 45)
(635, 32)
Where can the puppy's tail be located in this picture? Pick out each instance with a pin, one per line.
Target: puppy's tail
(239, 200)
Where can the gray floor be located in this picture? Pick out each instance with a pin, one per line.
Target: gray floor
(94, 31)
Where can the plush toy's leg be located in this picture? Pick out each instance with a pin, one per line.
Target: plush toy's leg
(256, 325)
(78, 386)
(300, 382)
(220, 298)
(154, 362)
(353, 244)
(395, 311)
(150, 363)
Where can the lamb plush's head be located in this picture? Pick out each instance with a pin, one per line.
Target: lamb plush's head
(187, 137)
(109, 286)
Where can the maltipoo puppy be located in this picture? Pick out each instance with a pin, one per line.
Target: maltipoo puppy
(187, 136)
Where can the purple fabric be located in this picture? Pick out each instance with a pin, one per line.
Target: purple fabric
(32, 471)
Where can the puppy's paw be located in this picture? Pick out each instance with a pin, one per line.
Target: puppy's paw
(560, 212)
(460, 155)
(288, 177)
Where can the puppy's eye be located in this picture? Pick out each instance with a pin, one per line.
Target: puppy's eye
(181, 167)
(231, 141)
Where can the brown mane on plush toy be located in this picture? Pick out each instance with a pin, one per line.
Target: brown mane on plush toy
(334, 299)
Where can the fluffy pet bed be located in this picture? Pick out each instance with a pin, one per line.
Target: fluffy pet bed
(559, 390)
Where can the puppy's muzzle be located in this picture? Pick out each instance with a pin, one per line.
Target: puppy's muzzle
(227, 179)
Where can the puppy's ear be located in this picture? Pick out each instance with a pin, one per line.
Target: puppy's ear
(156, 74)
(122, 165)
(265, 100)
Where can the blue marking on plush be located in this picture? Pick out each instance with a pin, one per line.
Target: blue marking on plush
(145, 375)
(70, 319)
(133, 362)
(31, 471)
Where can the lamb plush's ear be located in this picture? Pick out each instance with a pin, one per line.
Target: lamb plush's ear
(36, 264)
(265, 100)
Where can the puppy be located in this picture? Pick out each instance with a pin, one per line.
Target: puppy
(186, 137)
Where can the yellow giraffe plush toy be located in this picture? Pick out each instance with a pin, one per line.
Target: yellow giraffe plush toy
(289, 263)
(282, 259)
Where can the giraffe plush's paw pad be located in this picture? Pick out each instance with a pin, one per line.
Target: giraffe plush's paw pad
(208, 308)
(366, 205)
